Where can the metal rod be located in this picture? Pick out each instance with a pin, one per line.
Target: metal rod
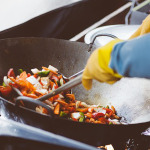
(75, 75)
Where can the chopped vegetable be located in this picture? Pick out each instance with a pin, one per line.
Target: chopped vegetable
(32, 80)
(20, 71)
(62, 114)
(62, 102)
(107, 107)
(58, 83)
(97, 115)
(84, 110)
(82, 117)
(5, 91)
(57, 109)
(43, 73)
(3, 84)
(110, 123)
(61, 81)
(52, 68)
(35, 71)
(108, 110)
(11, 73)
(76, 115)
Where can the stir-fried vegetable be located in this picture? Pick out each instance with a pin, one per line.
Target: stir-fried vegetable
(43, 73)
(63, 114)
(64, 105)
(20, 71)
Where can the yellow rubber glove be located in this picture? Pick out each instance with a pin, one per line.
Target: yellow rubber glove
(143, 29)
(98, 66)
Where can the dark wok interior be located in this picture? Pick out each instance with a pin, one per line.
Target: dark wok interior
(69, 58)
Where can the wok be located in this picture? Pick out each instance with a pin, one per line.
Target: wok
(130, 97)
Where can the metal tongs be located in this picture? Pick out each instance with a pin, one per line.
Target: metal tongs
(73, 81)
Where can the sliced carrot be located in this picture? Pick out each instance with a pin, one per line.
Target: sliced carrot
(115, 116)
(56, 84)
(57, 109)
(103, 120)
(35, 75)
(32, 95)
(44, 110)
(51, 84)
(71, 96)
(62, 103)
(87, 120)
(12, 79)
(84, 110)
(41, 83)
(47, 69)
(109, 115)
(72, 104)
(60, 76)
(71, 109)
(92, 120)
(51, 99)
(55, 97)
(88, 115)
(23, 75)
(113, 109)
(66, 111)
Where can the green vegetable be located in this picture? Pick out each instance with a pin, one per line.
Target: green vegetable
(107, 107)
(20, 71)
(43, 73)
(3, 84)
(82, 117)
(62, 114)
(58, 83)
(110, 123)
(100, 106)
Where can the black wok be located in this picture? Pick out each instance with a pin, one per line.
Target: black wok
(129, 96)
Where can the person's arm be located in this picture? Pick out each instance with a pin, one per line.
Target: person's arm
(132, 58)
(98, 68)
(116, 59)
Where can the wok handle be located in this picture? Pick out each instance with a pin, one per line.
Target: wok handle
(37, 102)
(101, 34)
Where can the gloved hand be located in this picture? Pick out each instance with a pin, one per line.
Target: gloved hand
(98, 66)
(143, 29)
